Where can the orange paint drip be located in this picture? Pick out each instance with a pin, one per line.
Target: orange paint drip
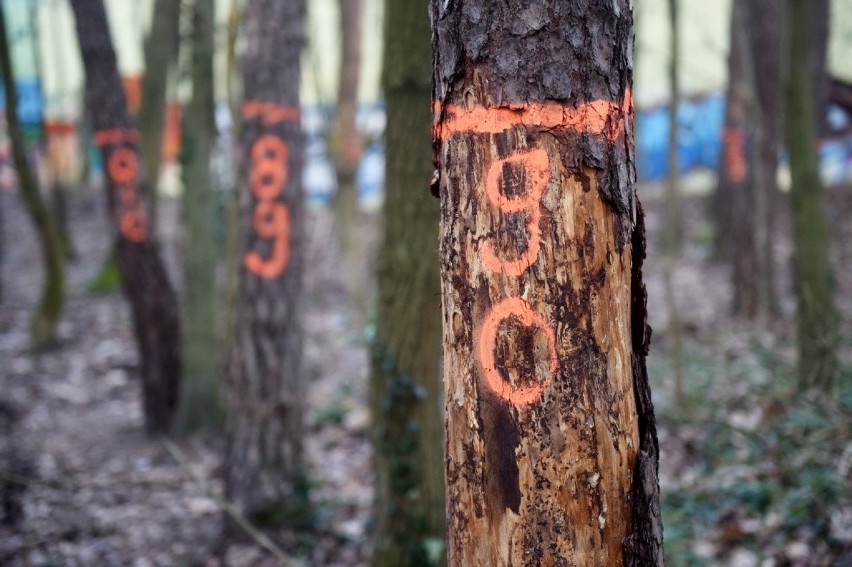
(736, 166)
(520, 310)
(599, 117)
(536, 164)
(269, 112)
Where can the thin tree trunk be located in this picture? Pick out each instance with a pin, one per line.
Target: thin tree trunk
(673, 231)
(551, 444)
(200, 400)
(143, 275)
(264, 473)
(161, 50)
(49, 308)
(405, 386)
(817, 316)
(346, 149)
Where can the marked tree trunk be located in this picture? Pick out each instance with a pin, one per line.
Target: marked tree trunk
(49, 308)
(405, 383)
(264, 469)
(817, 316)
(747, 174)
(161, 50)
(200, 399)
(551, 441)
(143, 275)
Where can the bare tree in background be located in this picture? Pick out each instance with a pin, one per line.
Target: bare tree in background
(264, 469)
(49, 308)
(143, 275)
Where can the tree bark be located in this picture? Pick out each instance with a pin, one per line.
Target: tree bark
(817, 316)
(551, 443)
(161, 50)
(49, 308)
(264, 468)
(405, 387)
(200, 400)
(143, 275)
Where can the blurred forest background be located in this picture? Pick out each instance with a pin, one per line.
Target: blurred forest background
(754, 424)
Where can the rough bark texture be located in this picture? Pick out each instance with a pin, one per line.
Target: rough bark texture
(817, 316)
(143, 275)
(49, 307)
(264, 469)
(200, 400)
(405, 384)
(161, 50)
(551, 443)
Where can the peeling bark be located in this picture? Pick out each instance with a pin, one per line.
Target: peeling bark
(551, 444)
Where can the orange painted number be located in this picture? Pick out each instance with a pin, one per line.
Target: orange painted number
(517, 308)
(271, 219)
(536, 166)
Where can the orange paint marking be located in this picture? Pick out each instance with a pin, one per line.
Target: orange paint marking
(599, 117)
(116, 136)
(269, 112)
(269, 167)
(271, 219)
(122, 170)
(121, 165)
(736, 167)
(536, 165)
(521, 310)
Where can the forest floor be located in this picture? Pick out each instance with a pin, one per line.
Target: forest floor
(752, 473)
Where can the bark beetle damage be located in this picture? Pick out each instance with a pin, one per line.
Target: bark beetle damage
(549, 423)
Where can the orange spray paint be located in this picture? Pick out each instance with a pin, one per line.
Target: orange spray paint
(122, 170)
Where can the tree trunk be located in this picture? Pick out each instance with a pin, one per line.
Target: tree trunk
(346, 149)
(673, 231)
(49, 308)
(143, 275)
(264, 468)
(200, 400)
(817, 317)
(766, 44)
(551, 443)
(161, 50)
(405, 387)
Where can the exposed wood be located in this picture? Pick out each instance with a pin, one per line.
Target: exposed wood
(551, 445)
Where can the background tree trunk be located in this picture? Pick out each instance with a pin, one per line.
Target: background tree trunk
(405, 386)
(49, 307)
(817, 316)
(200, 400)
(161, 50)
(143, 275)
(551, 443)
(264, 468)
(346, 148)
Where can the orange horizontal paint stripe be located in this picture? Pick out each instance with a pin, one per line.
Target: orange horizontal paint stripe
(599, 117)
(115, 136)
(270, 112)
